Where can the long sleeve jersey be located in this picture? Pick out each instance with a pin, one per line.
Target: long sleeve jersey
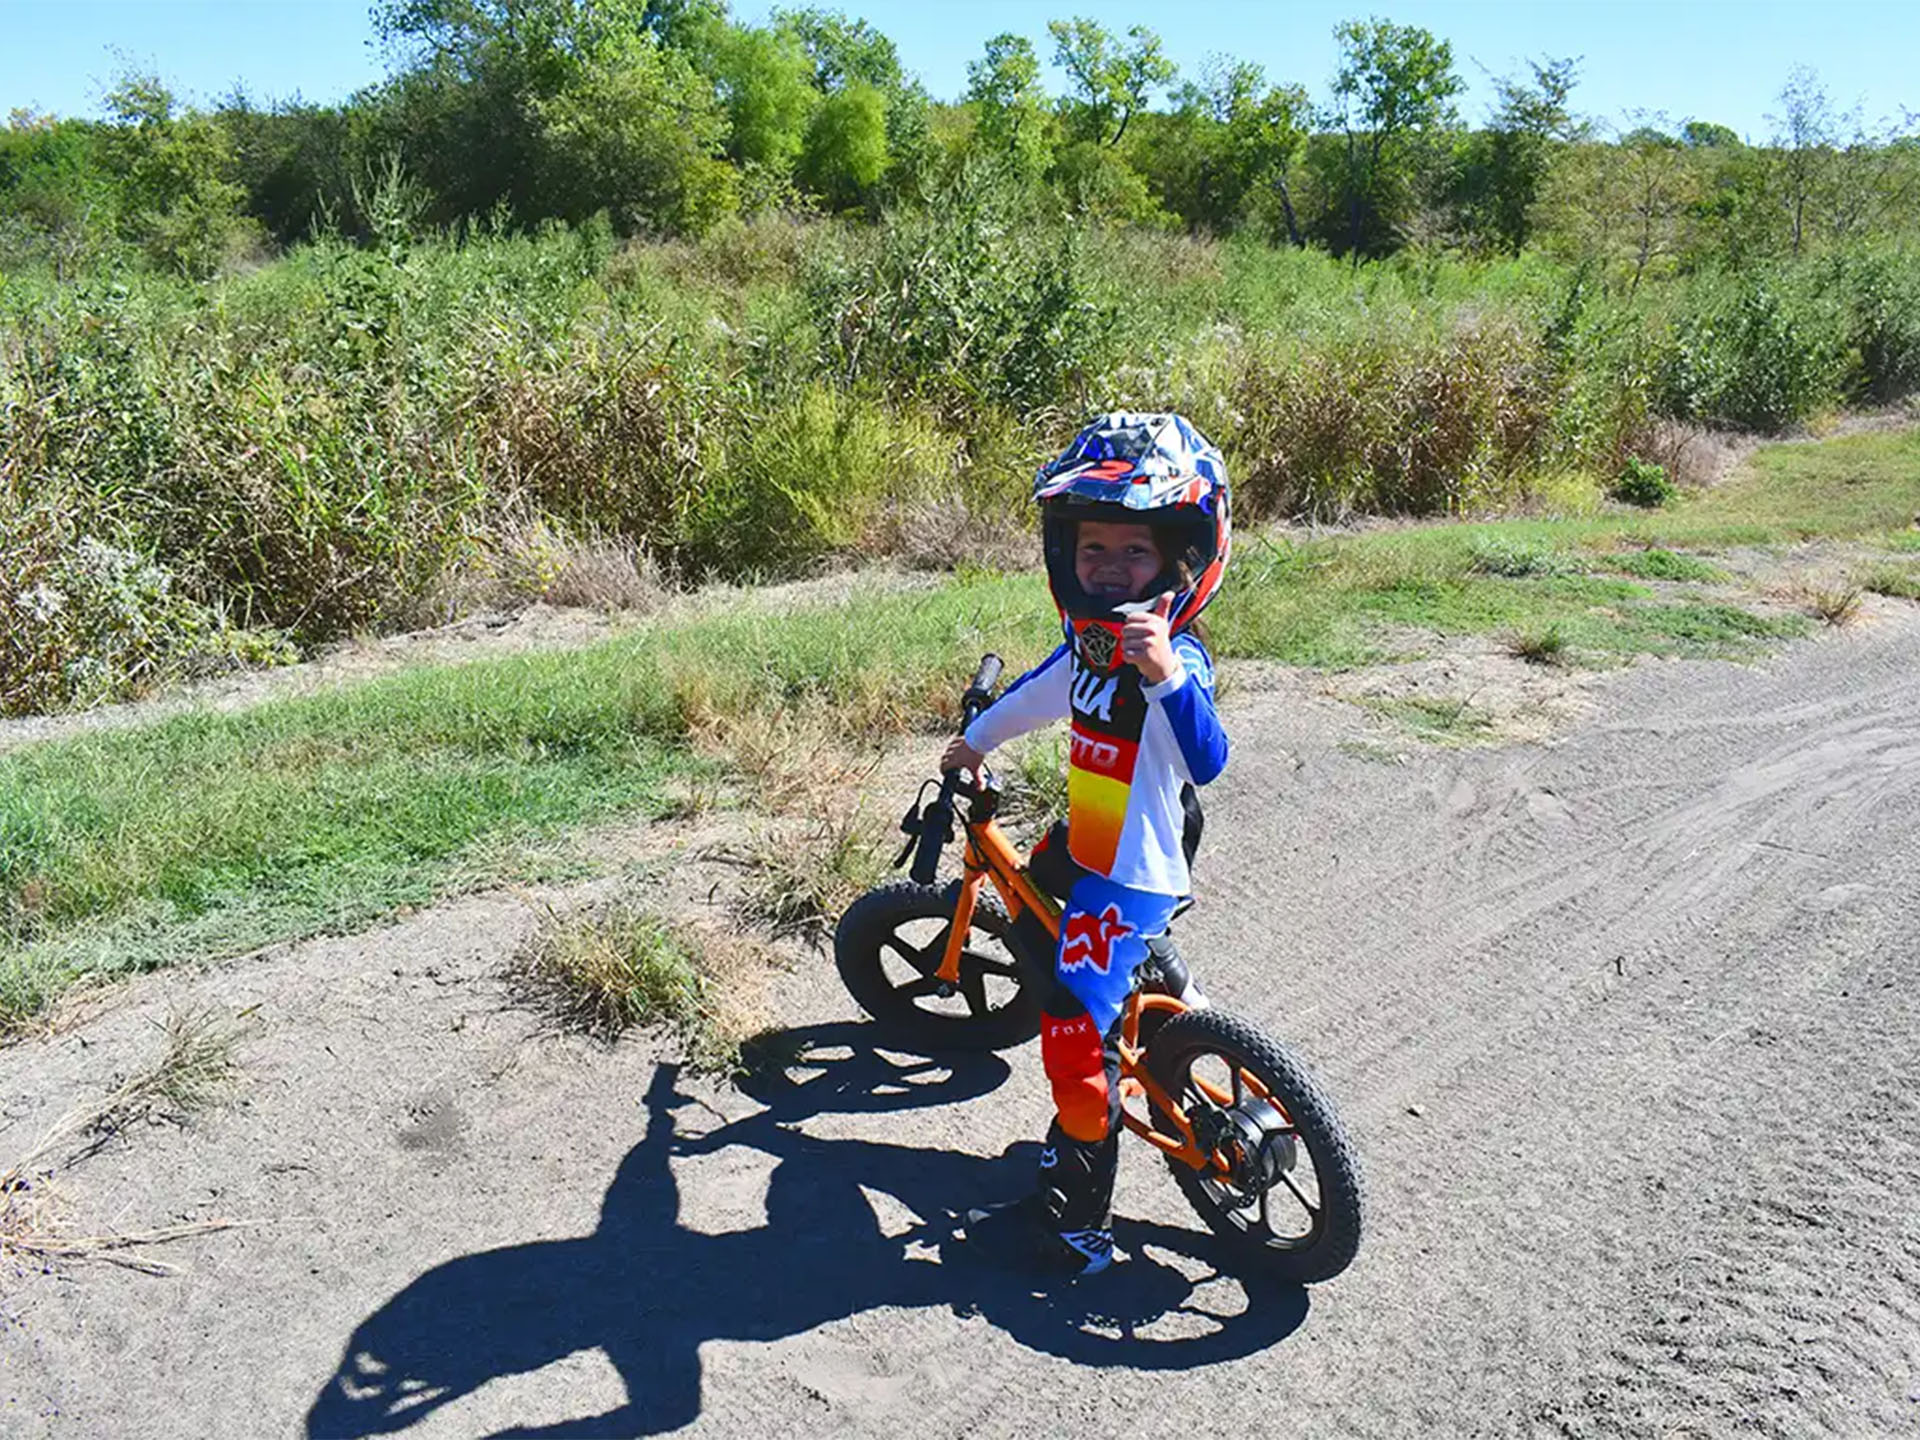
(1133, 746)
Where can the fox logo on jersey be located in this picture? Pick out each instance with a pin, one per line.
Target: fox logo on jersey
(1089, 939)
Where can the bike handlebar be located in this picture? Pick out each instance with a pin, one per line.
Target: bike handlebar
(929, 830)
(981, 690)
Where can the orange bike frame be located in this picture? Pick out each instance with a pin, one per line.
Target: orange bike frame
(991, 856)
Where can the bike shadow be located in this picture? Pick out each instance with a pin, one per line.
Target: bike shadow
(648, 1292)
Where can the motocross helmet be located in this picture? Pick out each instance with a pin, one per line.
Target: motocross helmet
(1142, 470)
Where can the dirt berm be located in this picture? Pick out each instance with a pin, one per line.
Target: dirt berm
(1627, 1027)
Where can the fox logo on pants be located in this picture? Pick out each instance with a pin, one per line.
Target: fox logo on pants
(1089, 939)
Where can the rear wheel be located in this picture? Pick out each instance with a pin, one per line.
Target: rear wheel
(1283, 1191)
(888, 948)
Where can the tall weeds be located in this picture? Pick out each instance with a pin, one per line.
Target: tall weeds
(333, 441)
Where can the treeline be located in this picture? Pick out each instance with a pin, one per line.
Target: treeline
(671, 118)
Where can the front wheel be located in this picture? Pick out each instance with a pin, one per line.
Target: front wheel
(1283, 1190)
(888, 947)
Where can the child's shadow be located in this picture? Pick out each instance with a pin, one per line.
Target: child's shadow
(648, 1293)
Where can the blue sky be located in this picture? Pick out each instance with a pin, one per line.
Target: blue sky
(1711, 59)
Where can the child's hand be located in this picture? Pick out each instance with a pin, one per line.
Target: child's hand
(961, 756)
(1144, 642)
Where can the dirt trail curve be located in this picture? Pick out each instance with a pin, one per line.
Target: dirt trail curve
(1627, 1026)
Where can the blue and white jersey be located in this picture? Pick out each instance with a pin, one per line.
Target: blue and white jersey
(1133, 747)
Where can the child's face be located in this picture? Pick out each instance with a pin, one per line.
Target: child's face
(1115, 562)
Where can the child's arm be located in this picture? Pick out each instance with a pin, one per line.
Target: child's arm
(1037, 697)
(1186, 698)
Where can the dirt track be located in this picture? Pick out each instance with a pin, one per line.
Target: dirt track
(1627, 1027)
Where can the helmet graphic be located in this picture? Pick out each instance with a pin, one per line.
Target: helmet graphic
(1144, 470)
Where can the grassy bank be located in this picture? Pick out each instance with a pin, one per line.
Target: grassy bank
(210, 834)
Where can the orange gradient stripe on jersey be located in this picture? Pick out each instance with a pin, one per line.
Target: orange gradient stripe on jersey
(1099, 780)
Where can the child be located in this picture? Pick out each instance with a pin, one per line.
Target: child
(1135, 524)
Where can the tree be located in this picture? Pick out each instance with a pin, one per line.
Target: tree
(1804, 135)
(52, 186)
(463, 109)
(846, 146)
(1705, 135)
(1659, 187)
(844, 52)
(1529, 120)
(766, 81)
(1111, 81)
(637, 133)
(1231, 138)
(1624, 206)
(171, 170)
(1394, 81)
(1004, 88)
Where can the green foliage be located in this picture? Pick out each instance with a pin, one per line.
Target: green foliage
(170, 170)
(1232, 141)
(846, 146)
(1109, 81)
(844, 52)
(1883, 295)
(811, 478)
(1014, 123)
(1498, 554)
(83, 622)
(1753, 354)
(1641, 482)
(1395, 82)
(766, 80)
(1384, 419)
(1656, 563)
(637, 134)
(1098, 183)
(56, 200)
(1505, 165)
(968, 302)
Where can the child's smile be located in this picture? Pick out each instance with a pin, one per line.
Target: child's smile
(1115, 562)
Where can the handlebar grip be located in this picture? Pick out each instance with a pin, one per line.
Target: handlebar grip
(988, 675)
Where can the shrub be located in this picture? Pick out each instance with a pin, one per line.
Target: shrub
(1883, 296)
(969, 303)
(1655, 563)
(1756, 358)
(1643, 483)
(811, 478)
(1392, 421)
(90, 622)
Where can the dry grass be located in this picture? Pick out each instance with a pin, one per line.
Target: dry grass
(1033, 781)
(794, 762)
(950, 531)
(1547, 646)
(1834, 603)
(797, 883)
(619, 967)
(1694, 456)
(195, 1067)
(529, 557)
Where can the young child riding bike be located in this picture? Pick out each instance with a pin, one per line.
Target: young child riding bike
(1135, 527)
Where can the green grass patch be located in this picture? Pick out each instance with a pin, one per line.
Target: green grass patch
(1900, 581)
(210, 834)
(1353, 600)
(1656, 563)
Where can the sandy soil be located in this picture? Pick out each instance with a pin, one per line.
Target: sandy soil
(1626, 1026)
